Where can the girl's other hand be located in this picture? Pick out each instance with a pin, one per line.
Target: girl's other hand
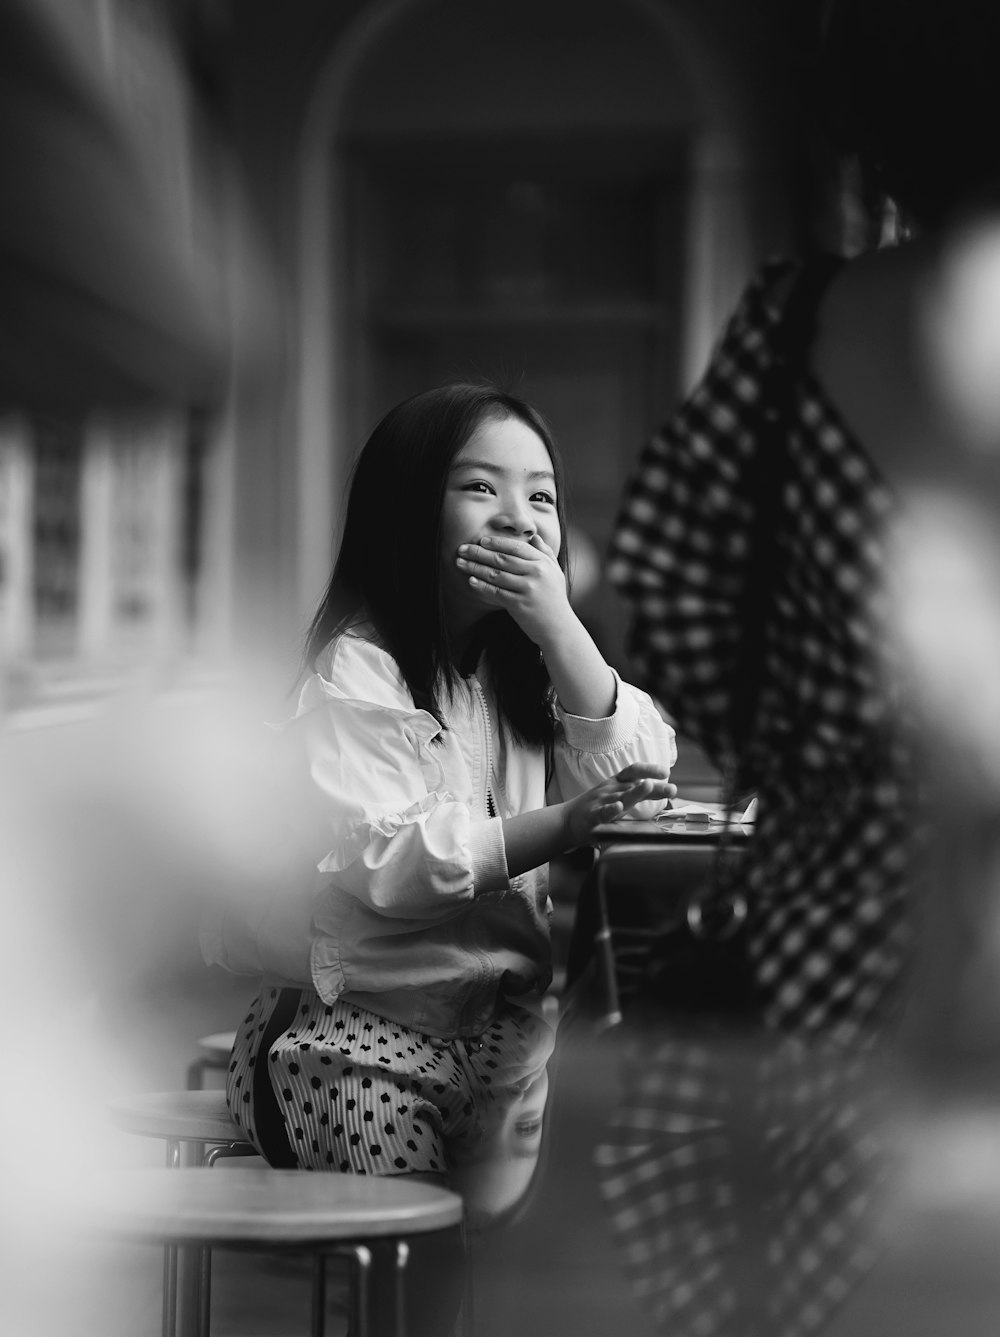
(612, 798)
(522, 577)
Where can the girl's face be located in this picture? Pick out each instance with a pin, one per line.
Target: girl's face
(501, 482)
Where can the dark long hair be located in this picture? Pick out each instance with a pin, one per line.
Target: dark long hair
(388, 570)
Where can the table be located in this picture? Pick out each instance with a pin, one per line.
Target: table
(641, 884)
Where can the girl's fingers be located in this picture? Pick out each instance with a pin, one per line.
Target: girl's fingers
(488, 575)
(616, 796)
(506, 554)
(636, 793)
(539, 544)
(492, 587)
(642, 770)
(486, 571)
(647, 789)
(508, 579)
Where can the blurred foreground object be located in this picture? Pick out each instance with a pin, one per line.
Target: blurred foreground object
(111, 231)
(140, 315)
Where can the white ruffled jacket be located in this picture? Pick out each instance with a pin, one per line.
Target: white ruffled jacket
(398, 894)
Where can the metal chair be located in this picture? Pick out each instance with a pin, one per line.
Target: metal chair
(640, 886)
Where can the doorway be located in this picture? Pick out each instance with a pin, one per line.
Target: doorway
(553, 267)
(517, 190)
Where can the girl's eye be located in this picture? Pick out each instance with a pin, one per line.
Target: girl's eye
(545, 497)
(477, 486)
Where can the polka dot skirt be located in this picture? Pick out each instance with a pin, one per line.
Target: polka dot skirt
(358, 1093)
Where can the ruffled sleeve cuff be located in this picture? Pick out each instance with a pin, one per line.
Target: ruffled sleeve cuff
(488, 856)
(385, 825)
(327, 972)
(607, 735)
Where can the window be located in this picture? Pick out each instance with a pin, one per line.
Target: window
(103, 563)
(104, 566)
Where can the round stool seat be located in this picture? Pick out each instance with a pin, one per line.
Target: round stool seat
(270, 1207)
(218, 1046)
(214, 1052)
(178, 1116)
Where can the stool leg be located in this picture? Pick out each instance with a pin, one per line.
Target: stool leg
(190, 1301)
(361, 1257)
(607, 973)
(318, 1294)
(204, 1292)
(468, 1327)
(402, 1258)
(228, 1151)
(196, 1074)
(169, 1320)
(184, 1266)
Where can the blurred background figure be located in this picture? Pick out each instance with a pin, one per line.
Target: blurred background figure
(761, 536)
(928, 296)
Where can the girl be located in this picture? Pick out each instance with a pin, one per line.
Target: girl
(457, 728)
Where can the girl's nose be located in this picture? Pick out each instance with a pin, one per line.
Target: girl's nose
(513, 518)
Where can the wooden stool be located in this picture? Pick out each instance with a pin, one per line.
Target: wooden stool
(321, 1214)
(200, 1123)
(215, 1053)
(198, 1118)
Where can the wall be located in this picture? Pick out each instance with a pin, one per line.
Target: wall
(303, 74)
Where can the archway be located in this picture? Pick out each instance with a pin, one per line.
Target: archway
(482, 194)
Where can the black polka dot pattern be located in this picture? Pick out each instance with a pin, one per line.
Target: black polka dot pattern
(403, 1102)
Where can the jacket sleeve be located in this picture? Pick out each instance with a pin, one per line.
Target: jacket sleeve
(364, 814)
(373, 815)
(588, 751)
